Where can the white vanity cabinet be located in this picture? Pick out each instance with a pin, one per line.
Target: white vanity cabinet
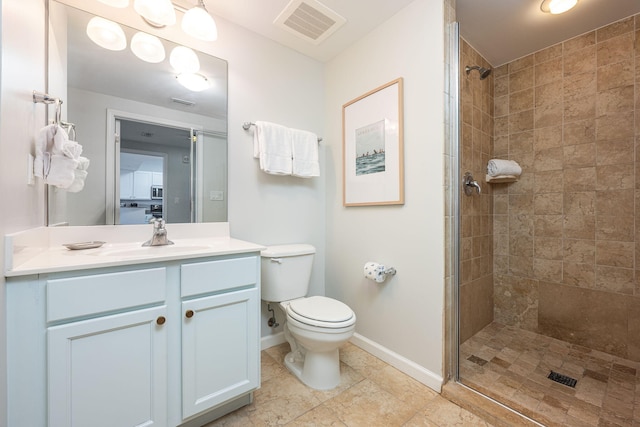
(157, 344)
(98, 362)
(220, 355)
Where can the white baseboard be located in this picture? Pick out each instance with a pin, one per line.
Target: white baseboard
(272, 340)
(419, 373)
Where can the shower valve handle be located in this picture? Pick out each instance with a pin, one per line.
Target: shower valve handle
(470, 184)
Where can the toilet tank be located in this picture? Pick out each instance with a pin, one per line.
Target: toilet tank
(286, 271)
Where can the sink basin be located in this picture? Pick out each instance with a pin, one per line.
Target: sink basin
(143, 251)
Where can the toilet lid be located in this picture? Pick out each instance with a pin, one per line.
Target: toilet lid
(321, 311)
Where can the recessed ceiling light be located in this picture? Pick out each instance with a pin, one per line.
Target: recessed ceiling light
(556, 7)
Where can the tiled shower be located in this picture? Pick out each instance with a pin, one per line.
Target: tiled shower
(555, 256)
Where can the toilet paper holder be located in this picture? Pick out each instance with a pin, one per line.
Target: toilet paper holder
(377, 272)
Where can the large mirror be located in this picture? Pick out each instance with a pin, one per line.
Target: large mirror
(156, 149)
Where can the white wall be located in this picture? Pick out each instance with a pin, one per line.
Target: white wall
(20, 119)
(405, 314)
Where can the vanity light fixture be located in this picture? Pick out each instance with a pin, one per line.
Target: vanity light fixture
(116, 3)
(157, 13)
(147, 47)
(556, 7)
(198, 23)
(184, 60)
(193, 81)
(106, 34)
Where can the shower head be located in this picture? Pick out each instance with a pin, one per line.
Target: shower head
(484, 72)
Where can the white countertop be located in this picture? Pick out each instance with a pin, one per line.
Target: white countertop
(41, 250)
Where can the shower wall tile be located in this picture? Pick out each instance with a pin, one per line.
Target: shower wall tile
(579, 251)
(615, 280)
(479, 130)
(580, 132)
(615, 254)
(616, 29)
(615, 75)
(594, 319)
(578, 275)
(548, 204)
(615, 152)
(566, 248)
(616, 202)
(580, 61)
(616, 49)
(579, 156)
(579, 42)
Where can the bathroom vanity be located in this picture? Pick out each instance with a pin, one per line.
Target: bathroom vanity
(122, 335)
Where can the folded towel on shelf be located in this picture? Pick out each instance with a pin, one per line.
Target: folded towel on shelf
(497, 167)
(305, 154)
(272, 144)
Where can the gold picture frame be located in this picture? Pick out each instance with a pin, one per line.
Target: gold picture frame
(372, 147)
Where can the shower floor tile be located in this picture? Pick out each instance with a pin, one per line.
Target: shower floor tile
(511, 365)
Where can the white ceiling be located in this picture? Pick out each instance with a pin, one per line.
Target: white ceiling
(504, 30)
(258, 15)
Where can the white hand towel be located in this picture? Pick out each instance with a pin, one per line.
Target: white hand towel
(274, 148)
(44, 145)
(305, 154)
(80, 174)
(62, 171)
(503, 167)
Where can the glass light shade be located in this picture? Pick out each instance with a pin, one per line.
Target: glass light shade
(199, 24)
(158, 12)
(106, 34)
(116, 3)
(194, 82)
(184, 60)
(561, 6)
(147, 47)
(556, 7)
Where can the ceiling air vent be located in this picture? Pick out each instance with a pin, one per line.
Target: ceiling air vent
(309, 20)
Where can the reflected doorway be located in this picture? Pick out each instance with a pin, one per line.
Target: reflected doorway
(155, 172)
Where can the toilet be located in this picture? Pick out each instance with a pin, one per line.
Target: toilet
(315, 326)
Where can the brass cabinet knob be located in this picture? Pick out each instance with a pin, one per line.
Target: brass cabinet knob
(189, 314)
(160, 320)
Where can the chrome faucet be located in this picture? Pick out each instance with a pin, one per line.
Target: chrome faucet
(159, 237)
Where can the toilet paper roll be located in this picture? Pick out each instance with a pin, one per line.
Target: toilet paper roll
(374, 271)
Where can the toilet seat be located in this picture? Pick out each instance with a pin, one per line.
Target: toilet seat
(321, 312)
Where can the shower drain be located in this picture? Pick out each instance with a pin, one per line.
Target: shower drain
(562, 379)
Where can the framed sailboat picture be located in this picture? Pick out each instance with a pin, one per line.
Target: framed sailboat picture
(373, 147)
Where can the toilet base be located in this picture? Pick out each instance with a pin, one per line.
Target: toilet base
(320, 371)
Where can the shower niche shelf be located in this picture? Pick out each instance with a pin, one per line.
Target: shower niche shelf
(501, 179)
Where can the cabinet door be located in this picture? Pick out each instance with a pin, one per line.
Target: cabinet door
(142, 185)
(220, 349)
(126, 184)
(109, 371)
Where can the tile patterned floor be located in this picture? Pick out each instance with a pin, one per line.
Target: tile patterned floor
(372, 393)
(511, 365)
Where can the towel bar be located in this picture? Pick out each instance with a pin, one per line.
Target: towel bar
(247, 126)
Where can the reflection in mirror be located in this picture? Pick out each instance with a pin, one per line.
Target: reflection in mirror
(124, 109)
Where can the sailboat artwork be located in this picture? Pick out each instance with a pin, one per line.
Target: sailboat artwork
(370, 148)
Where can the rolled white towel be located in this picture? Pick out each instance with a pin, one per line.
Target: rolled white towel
(503, 167)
